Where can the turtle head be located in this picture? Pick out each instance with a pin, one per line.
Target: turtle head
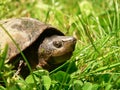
(55, 50)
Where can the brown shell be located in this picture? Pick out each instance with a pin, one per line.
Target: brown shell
(25, 31)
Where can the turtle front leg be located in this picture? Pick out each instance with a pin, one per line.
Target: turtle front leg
(43, 64)
(21, 63)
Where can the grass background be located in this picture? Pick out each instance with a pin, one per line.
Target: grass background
(95, 64)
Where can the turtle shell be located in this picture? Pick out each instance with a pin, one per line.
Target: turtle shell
(24, 31)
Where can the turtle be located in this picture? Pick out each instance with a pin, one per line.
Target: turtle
(42, 44)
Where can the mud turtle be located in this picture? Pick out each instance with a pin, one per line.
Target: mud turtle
(42, 44)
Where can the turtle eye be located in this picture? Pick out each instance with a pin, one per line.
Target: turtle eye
(57, 44)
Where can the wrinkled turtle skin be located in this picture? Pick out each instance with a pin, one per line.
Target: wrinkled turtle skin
(43, 45)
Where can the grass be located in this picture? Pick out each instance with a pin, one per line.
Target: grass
(95, 64)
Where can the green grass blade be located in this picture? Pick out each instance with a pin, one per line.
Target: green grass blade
(3, 56)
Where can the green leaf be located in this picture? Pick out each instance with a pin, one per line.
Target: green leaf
(76, 84)
(46, 82)
(42, 79)
(87, 86)
(29, 79)
(95, 87)
(108, 86)
(60, 76)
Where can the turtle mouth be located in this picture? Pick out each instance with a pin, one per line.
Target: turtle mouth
(57, 60)
(54, 62)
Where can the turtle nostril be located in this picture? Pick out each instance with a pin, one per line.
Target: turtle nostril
(74, 40)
